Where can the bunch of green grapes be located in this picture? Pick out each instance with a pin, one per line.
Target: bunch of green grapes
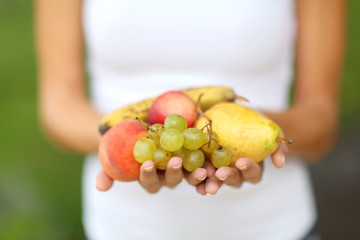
(174, 139)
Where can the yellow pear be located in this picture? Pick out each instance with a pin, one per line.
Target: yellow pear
(244, 131)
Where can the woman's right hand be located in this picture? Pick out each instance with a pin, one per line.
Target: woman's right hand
(152, 180)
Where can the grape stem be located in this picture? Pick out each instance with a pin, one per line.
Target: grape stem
(208, 126)
(200, 111)
(148, 126)
(143, 123)
(213, 139)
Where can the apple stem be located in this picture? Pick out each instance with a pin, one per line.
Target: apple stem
(284, 140)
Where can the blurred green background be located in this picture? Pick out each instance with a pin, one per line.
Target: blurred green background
(40, 186)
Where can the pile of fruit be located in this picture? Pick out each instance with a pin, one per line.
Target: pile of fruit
(195, 124)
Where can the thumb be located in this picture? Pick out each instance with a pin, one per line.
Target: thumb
(103, 181)
(279, 157)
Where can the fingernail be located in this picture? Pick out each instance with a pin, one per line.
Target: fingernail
(178, 166)
(223, 179)
(149, 169)
(201, 179)
(243, 167)
(283, 159)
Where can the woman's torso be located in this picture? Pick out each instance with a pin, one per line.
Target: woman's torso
(139, 49)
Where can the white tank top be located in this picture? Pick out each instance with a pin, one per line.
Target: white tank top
(141, 48)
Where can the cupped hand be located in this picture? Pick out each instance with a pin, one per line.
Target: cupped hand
(152, 180)
(245, 170)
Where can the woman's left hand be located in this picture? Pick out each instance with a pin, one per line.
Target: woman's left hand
(152, 180)
(245, 170)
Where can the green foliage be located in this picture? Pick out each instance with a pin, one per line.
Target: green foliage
(350, 94)
(39, 186)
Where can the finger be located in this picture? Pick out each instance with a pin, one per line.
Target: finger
(200, 188)
(210, 169)
(230, 176)
(212, 185)
(103, 182)
(279, 157)
(174, 173)
(250, 170)
(149, 179)
(196, 177)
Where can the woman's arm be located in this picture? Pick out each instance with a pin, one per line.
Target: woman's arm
(312, 120)
(65, 112)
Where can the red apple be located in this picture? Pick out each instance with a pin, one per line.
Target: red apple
(173, 102)
(116, 150)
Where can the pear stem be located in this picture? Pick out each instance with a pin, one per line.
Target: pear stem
(284, 140)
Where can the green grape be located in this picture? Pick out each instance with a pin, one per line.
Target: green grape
(161, 158)
(154, 136)
(213, 144)
(193, 138)
(144, 149)
(180, 153)
(193, 160)
(221, 157)
(175, 121)
(154, 132)
(171, 139)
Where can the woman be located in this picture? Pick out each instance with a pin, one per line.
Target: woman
(138, 49)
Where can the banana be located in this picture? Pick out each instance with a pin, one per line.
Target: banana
(210, 95)
(131, 111)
